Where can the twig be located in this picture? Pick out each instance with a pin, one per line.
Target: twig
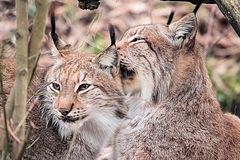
(29, 110)
(12, 134)
(193, 1)
(24, 144)
(6, 146)
(9, 110)
(24, 118)
(35, 141)
(5, 128)
(37, 92)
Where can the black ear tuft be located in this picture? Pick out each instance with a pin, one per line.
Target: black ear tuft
(112, 34)
(54, 35)
(108, 59)
(170, 18)
(59, 44)
(198, 5)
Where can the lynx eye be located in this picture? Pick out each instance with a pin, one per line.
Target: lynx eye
(83, 87)
(137, 39)
(56, 86)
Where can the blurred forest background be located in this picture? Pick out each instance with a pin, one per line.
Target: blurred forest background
(88, 30)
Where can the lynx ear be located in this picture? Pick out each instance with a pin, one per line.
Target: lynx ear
(108, 59)
(184, 30)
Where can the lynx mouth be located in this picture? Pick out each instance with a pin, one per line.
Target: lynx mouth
(69, 119)
(126, 73)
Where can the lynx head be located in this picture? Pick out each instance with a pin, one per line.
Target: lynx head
(83, 92)
(151, 55)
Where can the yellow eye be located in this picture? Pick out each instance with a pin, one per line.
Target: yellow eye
(56, 86)
(83, 87)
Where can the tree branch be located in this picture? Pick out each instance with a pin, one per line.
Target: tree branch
(21, 82)
(37, 34)
(193, 1)
(8, 108)
(2, 98)
(231, 10)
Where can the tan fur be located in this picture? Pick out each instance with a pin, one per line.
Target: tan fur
(93, 113)
(181, 118)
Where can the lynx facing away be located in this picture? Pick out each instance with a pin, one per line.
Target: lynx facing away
(82, 94)
(181, 118)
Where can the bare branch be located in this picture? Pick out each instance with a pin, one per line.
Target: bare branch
(6, 147)
(21, 82)
(24, 144)
(231, 10)
(13, 135)
(38, 29)
(193, 1)
(8, 110)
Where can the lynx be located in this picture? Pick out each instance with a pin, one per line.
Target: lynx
(178, 116)
(82, 95)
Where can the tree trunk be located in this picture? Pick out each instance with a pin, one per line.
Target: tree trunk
(231, 10)
(21, 82)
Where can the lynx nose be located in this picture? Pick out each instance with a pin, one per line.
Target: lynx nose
(64, 111)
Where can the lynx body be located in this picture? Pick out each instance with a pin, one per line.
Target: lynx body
(181, 118)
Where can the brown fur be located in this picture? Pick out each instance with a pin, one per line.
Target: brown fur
(93, 113)
(181, 118)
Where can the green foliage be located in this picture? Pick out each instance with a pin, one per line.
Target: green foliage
(96, 45)
(32, 10)
(225, 76)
